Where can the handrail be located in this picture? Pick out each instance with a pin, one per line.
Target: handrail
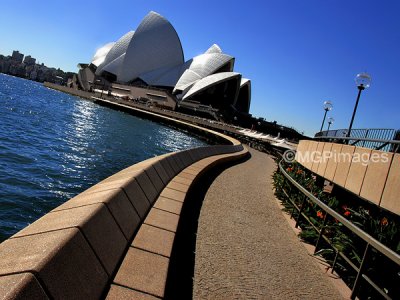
(376, 144)
(379, 133)
(371, 241)
(359, 139)
(385, 139)
(359, 232)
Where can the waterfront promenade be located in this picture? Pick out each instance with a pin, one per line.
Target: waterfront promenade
(127, 235)
(245, 248)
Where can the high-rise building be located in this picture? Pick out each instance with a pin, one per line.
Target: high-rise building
(16, 56)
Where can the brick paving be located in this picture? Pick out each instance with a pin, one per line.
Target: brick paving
(245, 248)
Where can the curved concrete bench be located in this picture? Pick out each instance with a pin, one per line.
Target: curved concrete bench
(144, 270)
(74, 251)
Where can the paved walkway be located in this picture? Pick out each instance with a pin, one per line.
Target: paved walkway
(245, 248)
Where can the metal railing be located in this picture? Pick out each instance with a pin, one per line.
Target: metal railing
(379, 139)
(371, 243)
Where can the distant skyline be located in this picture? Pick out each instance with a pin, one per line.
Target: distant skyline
(297, 54)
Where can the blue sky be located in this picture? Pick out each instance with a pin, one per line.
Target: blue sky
(298, 53)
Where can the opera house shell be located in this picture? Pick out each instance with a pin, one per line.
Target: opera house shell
(152, 56)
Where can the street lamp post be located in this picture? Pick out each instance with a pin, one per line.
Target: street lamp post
(330, 122)
(327, 107)
(363, 81)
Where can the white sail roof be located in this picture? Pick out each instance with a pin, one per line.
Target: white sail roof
(101, 54)
(167, 76)
(114, 66)
(202, 66)
(214, 49)
(210, 81)
(116, 51)
(154, 45)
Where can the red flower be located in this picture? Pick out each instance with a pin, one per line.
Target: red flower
(384, 222)
(299, 172)
(347, 213)
(320, 214)
(289, 169)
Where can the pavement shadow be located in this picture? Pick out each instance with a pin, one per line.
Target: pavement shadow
(179, 283)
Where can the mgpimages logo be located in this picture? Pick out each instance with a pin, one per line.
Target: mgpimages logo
(289, 156)
(364, 158)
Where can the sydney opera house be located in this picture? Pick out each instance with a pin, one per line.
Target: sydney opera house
(149, 64)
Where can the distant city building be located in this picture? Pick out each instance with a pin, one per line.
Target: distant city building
(29, 60)
(27, 68)
(152, 57)
(17, 57)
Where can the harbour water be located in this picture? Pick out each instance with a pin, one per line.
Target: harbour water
(54, 146)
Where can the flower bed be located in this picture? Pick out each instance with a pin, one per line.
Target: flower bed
(340, 246)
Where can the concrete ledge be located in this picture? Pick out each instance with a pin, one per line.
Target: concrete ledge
(21, 286)
(145, 267)
(62, 261)
(96, 224)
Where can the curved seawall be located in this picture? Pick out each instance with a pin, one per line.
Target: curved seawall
(75, 250)
(54, 146)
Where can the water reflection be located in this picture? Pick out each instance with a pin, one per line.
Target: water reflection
(54, 146)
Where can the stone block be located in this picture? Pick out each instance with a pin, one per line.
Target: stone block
(117, 292)
(301, 151)
(143, 271)
(116, 201)
(186, 158)
(174, 166)
(96, 224)
(168, 168)
(357, 170)
(176, 185)
(310, 154)
(125, 174)
(192, 171)
(173, 194)
(162, 219)
(137, 197)
(376, 176)
(344, 159)
(169, 205)
(21, 286)
(301, 147)
(326, 152)
(154, 240)
(194, 155)
(390, 198)
(332, 162)
(111, 183)
(155, 178)
(187, 175)
(205, 162)
(162, 173)
(62, 260)
(197, 168)
(182, 180)
(178, 160)
(147, 186)
(318, 157)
